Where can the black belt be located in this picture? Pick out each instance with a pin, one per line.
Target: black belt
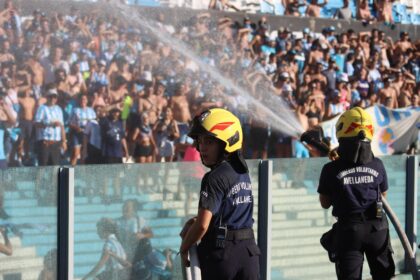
(362, 216)
(240, 234)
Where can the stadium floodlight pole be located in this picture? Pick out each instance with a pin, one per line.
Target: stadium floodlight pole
(403, 237)
(65, 224)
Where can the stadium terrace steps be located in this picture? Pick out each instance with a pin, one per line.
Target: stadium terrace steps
(24, 261)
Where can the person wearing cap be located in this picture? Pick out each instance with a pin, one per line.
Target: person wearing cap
(50, 132)
(335, 106)
(354, 185)
(98, 75)
(224, 221)
(114, 144)
(281, 39)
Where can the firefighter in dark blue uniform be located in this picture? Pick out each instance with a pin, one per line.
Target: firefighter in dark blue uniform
(353, 185)
(224, 222)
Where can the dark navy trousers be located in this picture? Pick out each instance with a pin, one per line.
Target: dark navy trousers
(239, 260)
(357, 237)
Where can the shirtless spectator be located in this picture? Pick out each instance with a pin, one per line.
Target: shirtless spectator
(117, 93)
(363, 12)
(147, 103)
(180, 106)
(316, 53)
(161, 99)
(319, 76)
(317, 95)
(384, 10)
(26, 123)
(292, 7)
(388, 95)
(61, 81)
(5, 53)
(75, 80)
(314, 8)
(182, 115)
(406, 94)
(402, 46)
(37, 73)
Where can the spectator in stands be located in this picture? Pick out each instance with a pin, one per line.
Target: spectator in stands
(93, 137)
(363, 12)
(136, 74)
(335, 106)
(12, 24)
(114, 144)
(145, 149)
(7, 120)
(78, 120)
(27, 104)
(344, 12)
(51, 135)
(292, 7)
(180, 107)
(314, 8)
(384, 11)
(388, 95)
(132, 229)
(166, 131)
(113, 256)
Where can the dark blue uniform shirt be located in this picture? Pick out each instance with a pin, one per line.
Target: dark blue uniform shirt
(228, 196)
(352, 188)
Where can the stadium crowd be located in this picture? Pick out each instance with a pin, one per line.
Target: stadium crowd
(365, 10)
(91, 88)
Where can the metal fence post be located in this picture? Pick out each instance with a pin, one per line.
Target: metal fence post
(265, 173)
(65, 224)
(411, 205)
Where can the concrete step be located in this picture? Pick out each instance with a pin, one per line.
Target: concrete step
(23, 263)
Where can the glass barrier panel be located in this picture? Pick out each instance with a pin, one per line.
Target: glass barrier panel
(395, 167)
(28, 223)
(253, 166)
(418, 214)
(299, 221)
(147, 204)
